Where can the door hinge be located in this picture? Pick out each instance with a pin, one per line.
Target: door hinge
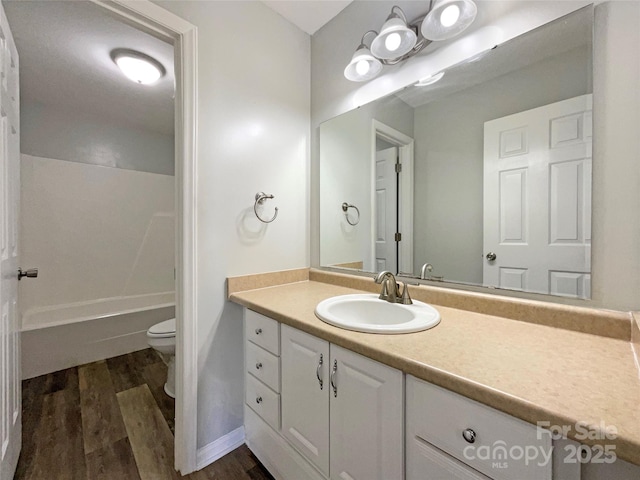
(398, 237)
(398, 167)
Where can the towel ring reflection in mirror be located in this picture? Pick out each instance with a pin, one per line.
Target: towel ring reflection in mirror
(345, 208)
(262, 197)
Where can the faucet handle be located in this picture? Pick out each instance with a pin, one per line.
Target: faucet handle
(406, 298)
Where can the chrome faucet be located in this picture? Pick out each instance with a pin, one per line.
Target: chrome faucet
(390, 291)
(427, 267)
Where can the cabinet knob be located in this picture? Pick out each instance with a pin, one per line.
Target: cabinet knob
(469, 435)
(258, 366)
(258, 331)
(258, 399)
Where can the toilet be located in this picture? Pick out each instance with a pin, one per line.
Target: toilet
(162, 338)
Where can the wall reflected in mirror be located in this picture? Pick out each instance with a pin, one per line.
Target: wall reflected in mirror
(482, 177)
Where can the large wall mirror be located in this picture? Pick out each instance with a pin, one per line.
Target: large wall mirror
(479, 177)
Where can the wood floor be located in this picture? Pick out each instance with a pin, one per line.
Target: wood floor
(110, 420)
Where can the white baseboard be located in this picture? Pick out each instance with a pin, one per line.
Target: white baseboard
(219, 448)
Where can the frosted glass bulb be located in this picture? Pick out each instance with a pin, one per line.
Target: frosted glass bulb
(362, 67)
(138, 69)
(450, 15)
(392, 42)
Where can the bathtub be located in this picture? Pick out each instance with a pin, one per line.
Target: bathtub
(63, 336)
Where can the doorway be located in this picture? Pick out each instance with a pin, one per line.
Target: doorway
(391, 199)
(161, 24)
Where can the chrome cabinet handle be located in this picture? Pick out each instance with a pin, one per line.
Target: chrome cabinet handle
(469, 435)
(491, 256)
(258, 331)
(333, 378)
(318, 371)
(258, 399)
(258, 366)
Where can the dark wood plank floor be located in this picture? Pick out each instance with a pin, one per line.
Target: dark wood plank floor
(110, 420)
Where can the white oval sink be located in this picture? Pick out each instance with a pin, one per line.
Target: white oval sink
(367, 313)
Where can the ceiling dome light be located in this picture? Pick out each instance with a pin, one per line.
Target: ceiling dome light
(430, 80)
(363, 66)
(396, 38)
(138, 67)
(448, 18)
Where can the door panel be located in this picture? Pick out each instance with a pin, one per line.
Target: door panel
(385, 209)
(537, 199)
(305, 402)
(366, 419)
(10, 422)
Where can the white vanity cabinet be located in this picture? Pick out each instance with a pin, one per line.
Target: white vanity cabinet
(449, 436)
(342, 411)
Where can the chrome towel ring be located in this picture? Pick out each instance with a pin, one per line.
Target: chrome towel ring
(345, 208)
(262, 197)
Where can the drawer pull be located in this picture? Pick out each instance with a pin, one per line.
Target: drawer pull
(469, 435)
(258, 399)
(258, 331)
(333, 378)
(318, 371)
(258, 366)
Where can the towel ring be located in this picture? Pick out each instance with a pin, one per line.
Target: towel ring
(262, 197)
(345, 208)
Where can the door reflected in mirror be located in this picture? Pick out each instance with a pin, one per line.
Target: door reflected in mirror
(481, 178)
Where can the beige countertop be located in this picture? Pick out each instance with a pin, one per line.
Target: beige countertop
(533, 372)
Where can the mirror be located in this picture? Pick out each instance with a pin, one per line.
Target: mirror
(481, 177)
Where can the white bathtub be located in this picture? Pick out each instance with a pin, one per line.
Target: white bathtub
(63, 336)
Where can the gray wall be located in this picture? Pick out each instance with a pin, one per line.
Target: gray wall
(449, 149)
(54, 132)
(345, 176)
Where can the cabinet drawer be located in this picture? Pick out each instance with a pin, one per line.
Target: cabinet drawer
(426, 461)
(263, 365)
(262, 331)
(440, 417)
(264, 401)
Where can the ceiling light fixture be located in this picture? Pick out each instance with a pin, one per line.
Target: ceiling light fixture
(399, 39)
(138, 67)
(430, 80)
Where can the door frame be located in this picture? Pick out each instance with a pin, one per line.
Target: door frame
(152, 19)
(405, 209)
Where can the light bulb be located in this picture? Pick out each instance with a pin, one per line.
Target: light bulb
(138, 70)
(450, 15)
(393, 41)
(362, 67)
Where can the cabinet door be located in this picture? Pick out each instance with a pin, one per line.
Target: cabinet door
(305, 395)
(366, 418)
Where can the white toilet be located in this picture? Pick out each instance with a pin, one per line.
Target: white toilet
(162, 338)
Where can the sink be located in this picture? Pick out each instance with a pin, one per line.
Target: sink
(367, 313)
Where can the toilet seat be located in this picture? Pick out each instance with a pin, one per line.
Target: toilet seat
(164, 329)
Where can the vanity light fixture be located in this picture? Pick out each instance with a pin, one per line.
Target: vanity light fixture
(138, 67)
(399, 40)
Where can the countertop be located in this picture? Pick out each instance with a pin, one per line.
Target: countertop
(533, 372)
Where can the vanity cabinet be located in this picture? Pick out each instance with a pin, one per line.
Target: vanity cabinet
(342, 411)
(451, 436)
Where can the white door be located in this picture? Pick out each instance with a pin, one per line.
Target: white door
(537, 199)
(10, 423)
(386, 199)
(366, 418)
(305, 395)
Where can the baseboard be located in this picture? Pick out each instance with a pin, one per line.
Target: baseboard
(219, 448)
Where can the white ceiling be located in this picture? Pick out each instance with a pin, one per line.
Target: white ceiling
(64, 50)
(308, 15)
